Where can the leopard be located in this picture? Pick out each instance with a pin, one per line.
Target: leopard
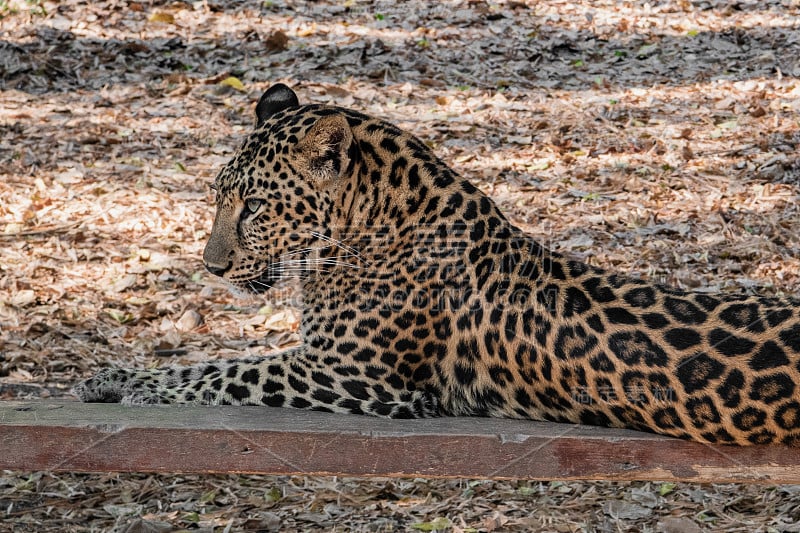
(421, 299)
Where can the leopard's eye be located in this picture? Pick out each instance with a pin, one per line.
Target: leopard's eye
(253, 205)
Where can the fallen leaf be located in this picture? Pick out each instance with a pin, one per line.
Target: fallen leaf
(267, 522)
(672, 524)
(171, 339)
(282, 320)
(430, 82)
(23, 298)
(578, 242)
(666, 488)
(497, 520)
(277, 41)
(437, 524)
(160, 16)
(148, 526)
(646, 51)
(519, 139)
(120, 316)
(189, 321)
(622, 510)
(232, 82)
(125, 282)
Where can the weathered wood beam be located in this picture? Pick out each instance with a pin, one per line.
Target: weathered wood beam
(70, 436)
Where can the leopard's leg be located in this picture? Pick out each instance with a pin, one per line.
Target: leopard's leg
(287, 379)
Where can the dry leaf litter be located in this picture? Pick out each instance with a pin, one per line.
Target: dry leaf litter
(656, 138)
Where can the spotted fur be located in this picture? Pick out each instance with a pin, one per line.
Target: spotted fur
(421, 300)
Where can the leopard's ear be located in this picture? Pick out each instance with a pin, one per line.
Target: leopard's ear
(276, 98)
(324, 150)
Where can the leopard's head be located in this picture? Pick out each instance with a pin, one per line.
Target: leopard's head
(277, 197)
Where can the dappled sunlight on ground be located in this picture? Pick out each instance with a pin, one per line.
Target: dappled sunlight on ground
(660, 139)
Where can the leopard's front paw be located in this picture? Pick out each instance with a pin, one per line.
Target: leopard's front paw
(426, 405)
(109, 385)
(130, 387)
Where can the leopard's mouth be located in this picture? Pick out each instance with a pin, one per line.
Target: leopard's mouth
(277, 271)
(272, 274)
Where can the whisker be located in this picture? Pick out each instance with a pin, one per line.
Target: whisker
(290, 266)
(252, 284)
(337, 243)
(306, 264)
(331, 262)
(309, 260)
(306, 250)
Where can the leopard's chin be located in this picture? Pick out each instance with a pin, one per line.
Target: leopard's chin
(240, 291)
(261, 283)
(248, 288)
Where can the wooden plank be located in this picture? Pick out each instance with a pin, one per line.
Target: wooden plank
(70, 436)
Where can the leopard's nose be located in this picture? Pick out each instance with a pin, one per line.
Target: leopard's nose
(217, 270)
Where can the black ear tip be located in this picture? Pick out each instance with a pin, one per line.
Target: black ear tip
(280, 91)
(276, 98)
